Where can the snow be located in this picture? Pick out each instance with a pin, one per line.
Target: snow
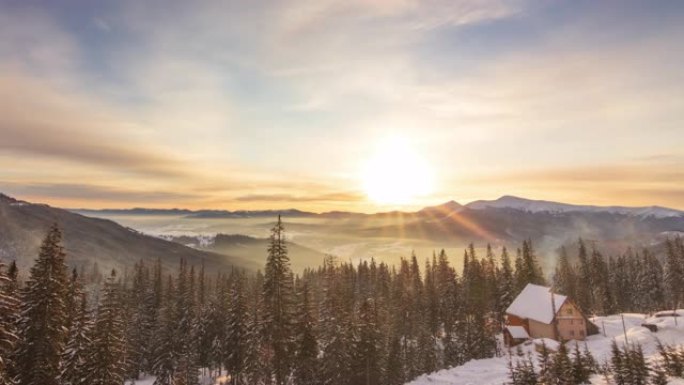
(534, 302)
(535, 206)
(494, 371)
(517, 332)
(203, 380)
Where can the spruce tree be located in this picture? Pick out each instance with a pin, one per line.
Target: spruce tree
(77, 358)
(365, 367)
(565, 278)
(108, 338)
(306, 362)
(186, 371)
(164, 357)
(41, 331)
(236, 331)
(278, 297)
(8, 314)
(674, 277)
(584, 284)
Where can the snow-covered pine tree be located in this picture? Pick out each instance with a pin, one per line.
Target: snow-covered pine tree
(256, 371)
(41, 330)
(164, 357)
(618, 365)
(8, 313)
(584, 284)
(651, 283)
(108, 345)
(77, 357)
(365, 367)
(532, 271)
(236, 330)
(278, 298)
(565, 278)
(306, 362)
(637, 368)
(603, 296)
(674, 276)
(545, 364)
(579, 369)
(394, 365)
(561, 368)
(186, 371)
(506, 285)
(141, 322)
(204, 336)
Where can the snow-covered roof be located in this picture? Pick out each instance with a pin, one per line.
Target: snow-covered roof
(517, 332)
(534, 303)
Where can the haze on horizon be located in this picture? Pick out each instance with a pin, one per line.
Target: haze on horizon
(355, 105)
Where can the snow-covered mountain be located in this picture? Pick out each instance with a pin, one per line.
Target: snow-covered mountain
(536, 206)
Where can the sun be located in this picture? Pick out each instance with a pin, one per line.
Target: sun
(396, 174)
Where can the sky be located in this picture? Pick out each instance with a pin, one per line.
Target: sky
(280, 103)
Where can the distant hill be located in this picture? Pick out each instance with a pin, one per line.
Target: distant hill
(510, 220)
(246, 247)
(87, 240)
(505, 221)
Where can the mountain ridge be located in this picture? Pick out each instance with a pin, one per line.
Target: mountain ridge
(503, 202)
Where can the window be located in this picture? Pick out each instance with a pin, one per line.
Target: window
(569, 311)
(572, 333)
(571, 321)
(582, 333)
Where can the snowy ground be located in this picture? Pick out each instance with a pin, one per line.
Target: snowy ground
(204, 380)
(494, 371)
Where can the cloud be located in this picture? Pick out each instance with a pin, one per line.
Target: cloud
(330, 197)
(84, 192)
(38, 120)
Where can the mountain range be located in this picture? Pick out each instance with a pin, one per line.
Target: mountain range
(90, 238)
(504, 202)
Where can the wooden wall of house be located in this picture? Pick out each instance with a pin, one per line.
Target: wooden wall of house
(540, 330)
(571, 322)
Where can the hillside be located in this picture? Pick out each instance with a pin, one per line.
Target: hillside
(494, 371)
(88, 240)
(246, 247)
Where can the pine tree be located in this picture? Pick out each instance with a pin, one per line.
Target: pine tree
(394, 367)
(366, 354)
(186, 371)
(618, 365)
(584, 284)
(164, 357)
(278, 296)
(306, 362)
(545, 365)
(8, 314)
(532, 272)
(579, 369)
(561, 368)
(41, 331)
(565, 278)
(77, 358)
(108, 338)
(506, 284)
(141, 324)
(236, 331)
(674, 277)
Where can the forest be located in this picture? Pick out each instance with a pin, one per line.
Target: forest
(340, 323)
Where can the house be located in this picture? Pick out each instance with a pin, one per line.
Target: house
(537, 312)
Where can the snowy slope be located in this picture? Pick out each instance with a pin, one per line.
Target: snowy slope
(494, 371)
(536, 206)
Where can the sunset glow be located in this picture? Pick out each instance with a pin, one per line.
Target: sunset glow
(397, 174)
(277, 104)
